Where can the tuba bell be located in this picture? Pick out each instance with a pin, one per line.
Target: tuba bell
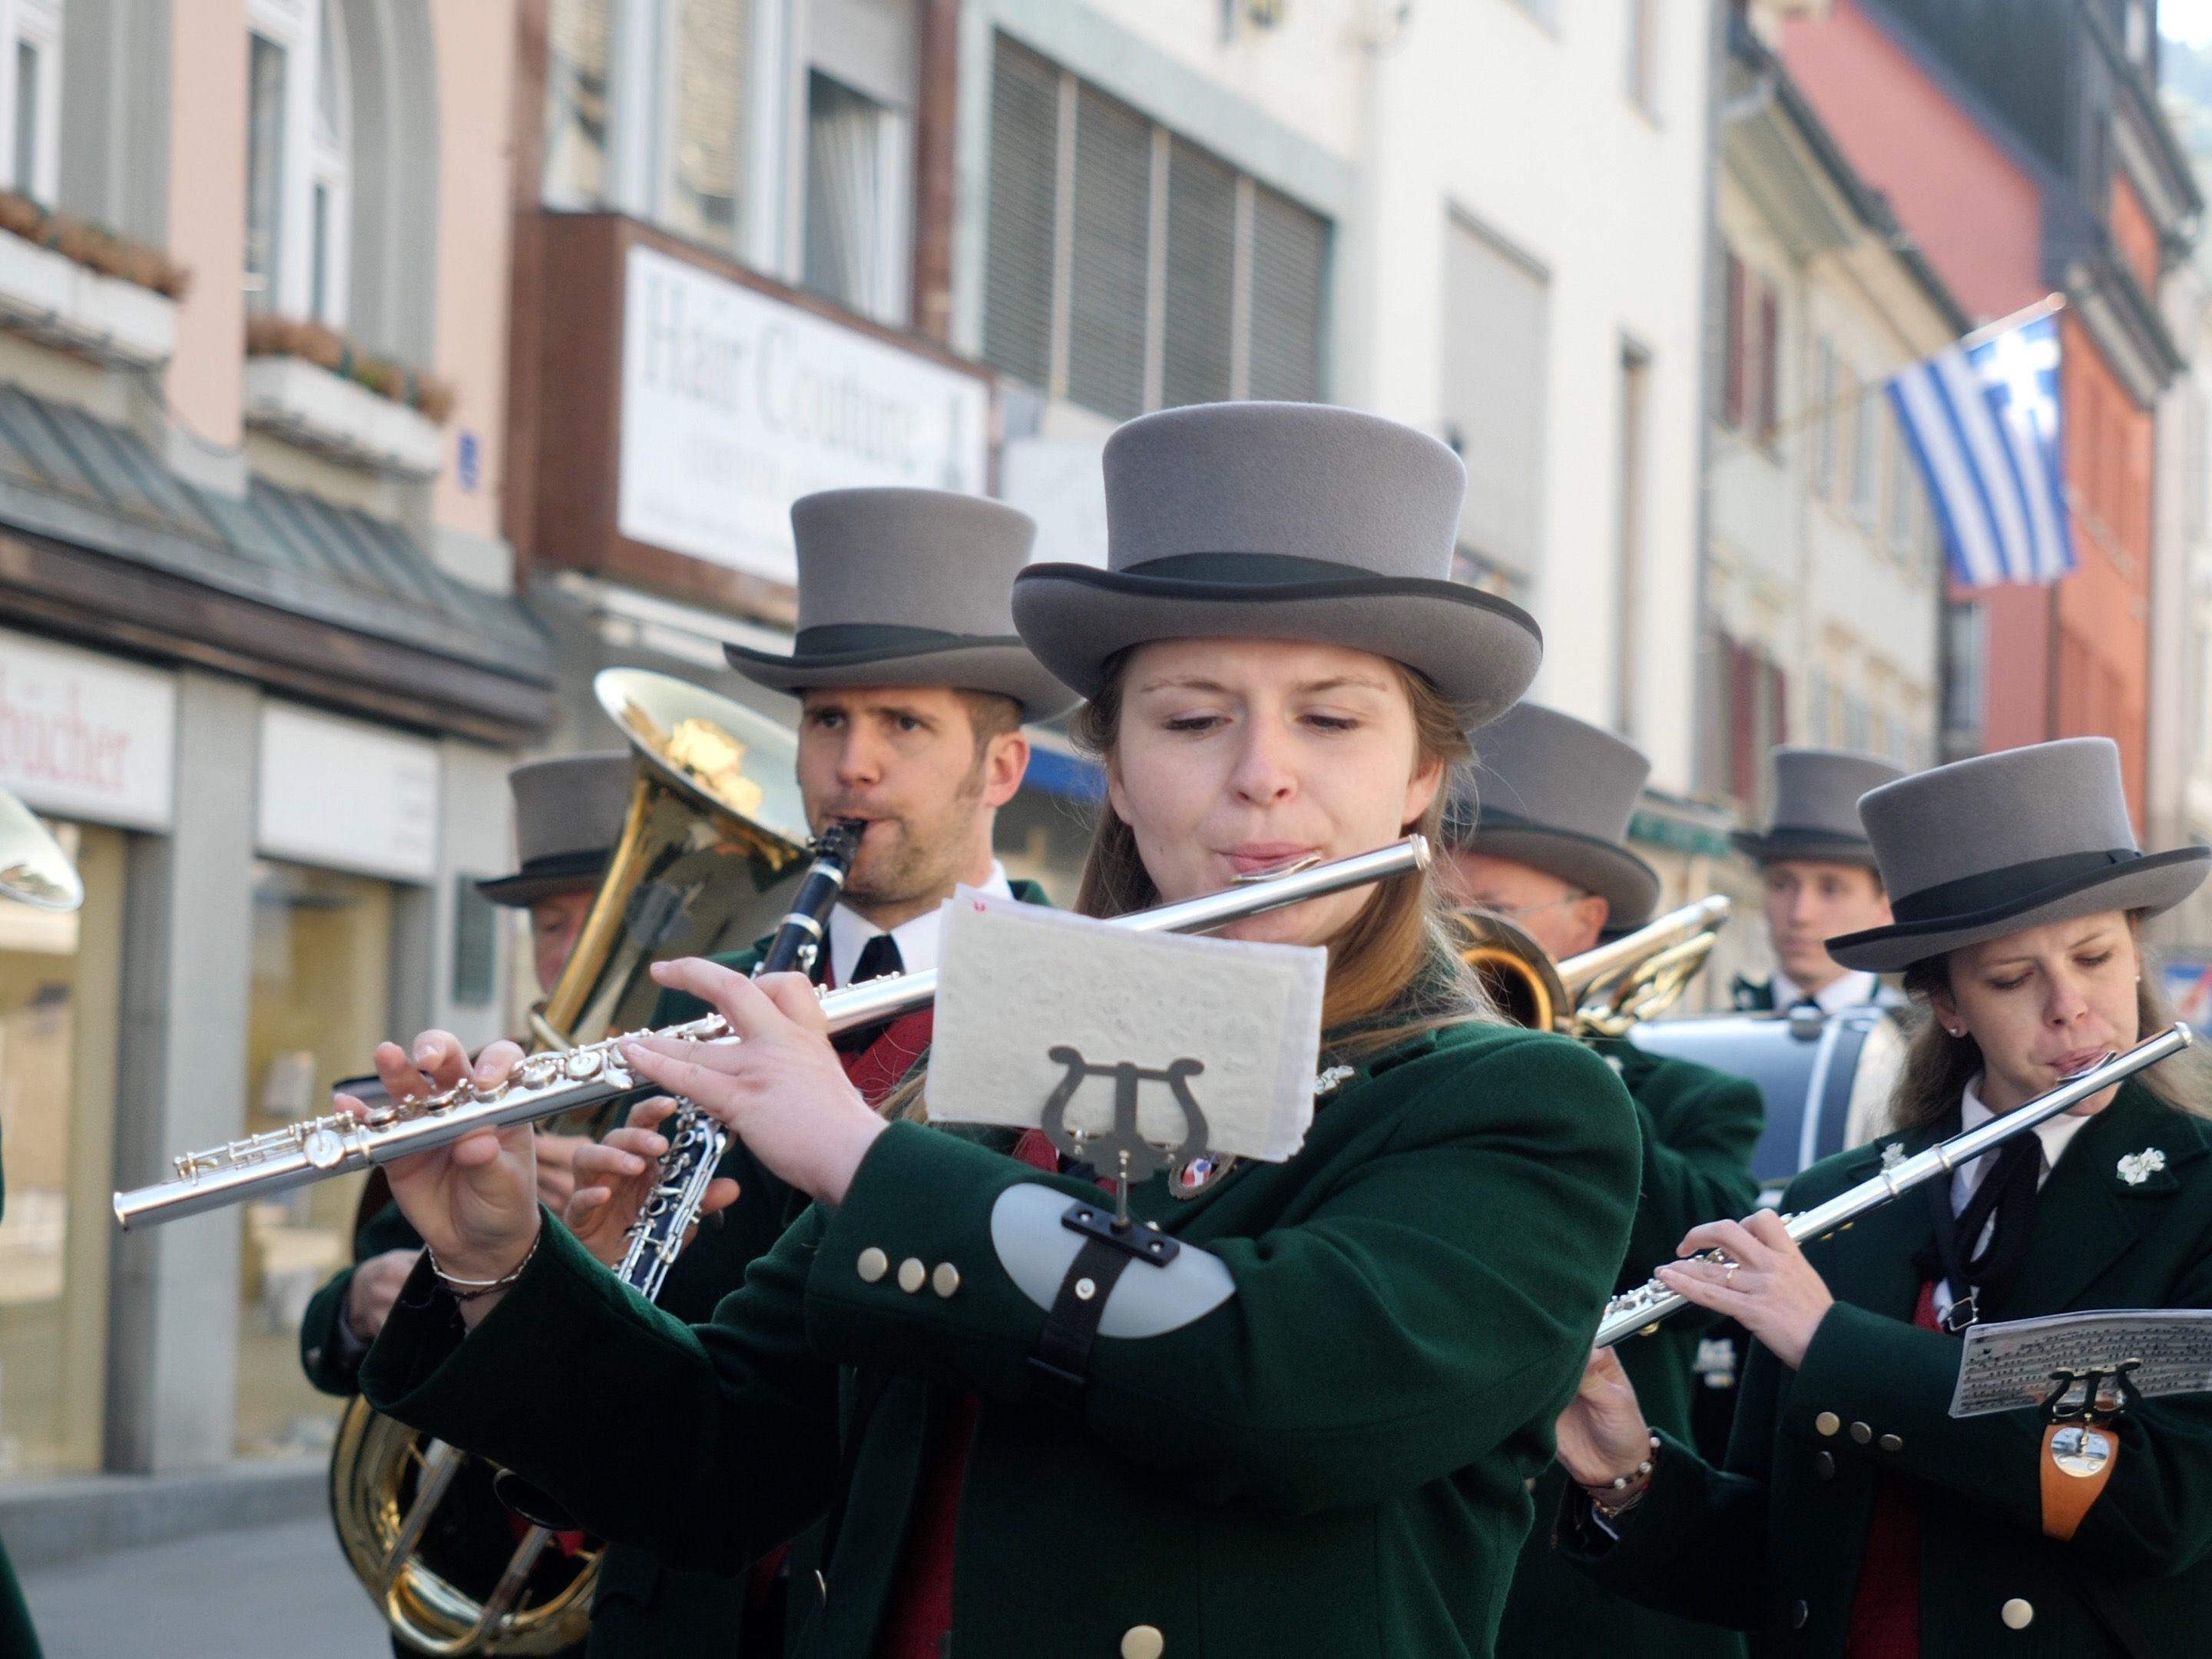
(1604, 991)
(715, 829)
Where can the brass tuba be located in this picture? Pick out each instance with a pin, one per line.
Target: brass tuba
(1606, 990)
(715, 829)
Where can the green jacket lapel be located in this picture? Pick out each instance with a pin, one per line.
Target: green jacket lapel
(2089, 1212)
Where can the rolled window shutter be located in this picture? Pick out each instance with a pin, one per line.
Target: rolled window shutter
(1201, 273)
(1112, 222)
(1289, 261)
(1017, 273)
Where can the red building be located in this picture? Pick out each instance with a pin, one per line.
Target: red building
(2020, 143)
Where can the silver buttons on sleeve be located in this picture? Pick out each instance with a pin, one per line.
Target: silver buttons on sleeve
(873, 1265)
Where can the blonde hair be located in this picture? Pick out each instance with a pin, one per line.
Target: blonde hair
(1938, 1067)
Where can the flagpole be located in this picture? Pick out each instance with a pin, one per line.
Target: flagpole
(2026, 314)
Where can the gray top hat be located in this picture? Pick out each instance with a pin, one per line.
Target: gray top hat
(1293, 521)
(568, 814)
(908, 587)
(1816, 807)
(1557, 792)
(1990, 846)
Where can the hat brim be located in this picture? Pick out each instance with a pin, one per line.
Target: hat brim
(526, 888)
(1480, 651)
(999, 664)
(1809, 847)
(1629, 886)
(2152, 884)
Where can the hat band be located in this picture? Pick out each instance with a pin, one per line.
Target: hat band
(842, 639)
(551, 865)
(1971, 894)
(1251, 569)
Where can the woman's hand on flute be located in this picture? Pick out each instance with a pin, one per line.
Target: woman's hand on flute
(781, 1089)
(616, 1176)
(1602, 1434)
(474, 1201)
(1766, 1284)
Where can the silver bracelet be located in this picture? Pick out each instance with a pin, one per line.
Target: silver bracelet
(468, 1290)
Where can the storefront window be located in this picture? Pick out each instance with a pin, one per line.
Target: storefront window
(322, 953)
(58, 983)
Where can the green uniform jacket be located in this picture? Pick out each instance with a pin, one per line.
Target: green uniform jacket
(1331, 1462)
(17, 1639)
(1699, 1127)
(1772, 1544)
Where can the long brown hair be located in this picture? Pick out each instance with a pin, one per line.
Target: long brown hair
(1938, 1067)
(1392, 971)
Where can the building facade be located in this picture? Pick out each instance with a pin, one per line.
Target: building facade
(2061, 177)
(259, 662)
(1823, 585)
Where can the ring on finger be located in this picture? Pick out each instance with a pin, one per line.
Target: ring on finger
(1727, 1278)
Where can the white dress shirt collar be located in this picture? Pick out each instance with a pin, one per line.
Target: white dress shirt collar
(849, 932)
(1850, 990)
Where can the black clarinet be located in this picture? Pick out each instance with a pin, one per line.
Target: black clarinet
(697, 1141)
(797, 940)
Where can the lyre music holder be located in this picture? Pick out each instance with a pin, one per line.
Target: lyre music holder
(1132, 1156)
(1110, 1242)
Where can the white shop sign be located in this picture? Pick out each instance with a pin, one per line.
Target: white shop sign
(735, 405)
(87, 737)
(347, 795)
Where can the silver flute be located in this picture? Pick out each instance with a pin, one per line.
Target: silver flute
(545, 1084)
(1633, 1312)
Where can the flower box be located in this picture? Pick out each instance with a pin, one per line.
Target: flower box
(52, 297)
(307, 405)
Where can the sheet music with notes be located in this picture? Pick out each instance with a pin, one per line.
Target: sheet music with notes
(2010, 1366)
(1017, 980)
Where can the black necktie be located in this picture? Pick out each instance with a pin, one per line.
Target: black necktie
(1979, 1275)
(879, 957)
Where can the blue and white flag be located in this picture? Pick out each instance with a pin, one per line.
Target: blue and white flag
(1982, 422)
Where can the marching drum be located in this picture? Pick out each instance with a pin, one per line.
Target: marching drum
(1826, 1078)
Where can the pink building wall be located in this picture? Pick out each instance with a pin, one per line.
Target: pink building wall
(476, 92)
(207, 219)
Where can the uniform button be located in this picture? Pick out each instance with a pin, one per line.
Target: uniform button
(2017, 1614)
(911, 1274)
(946, 1279)
(873, 1265)
(1799, 1612)
(1143, 1642)
(1862, 1433)
(1824, 1465)
(1827, 1422)
(1892, 1443)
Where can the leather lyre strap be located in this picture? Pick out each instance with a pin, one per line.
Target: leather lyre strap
(2071, 1486)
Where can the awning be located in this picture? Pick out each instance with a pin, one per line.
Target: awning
(281, 585)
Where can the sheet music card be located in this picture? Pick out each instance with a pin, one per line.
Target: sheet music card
(1018, 981)
(2010, 1366)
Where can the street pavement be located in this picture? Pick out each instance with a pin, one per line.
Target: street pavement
(267, 1593)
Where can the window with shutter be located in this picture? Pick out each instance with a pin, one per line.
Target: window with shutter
(1128, 269)
(1018, 274)
(1497, 335)
(1768, 386)
(1200, 319)
(1732, 345)
(1108, 275)
(1290, 256)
